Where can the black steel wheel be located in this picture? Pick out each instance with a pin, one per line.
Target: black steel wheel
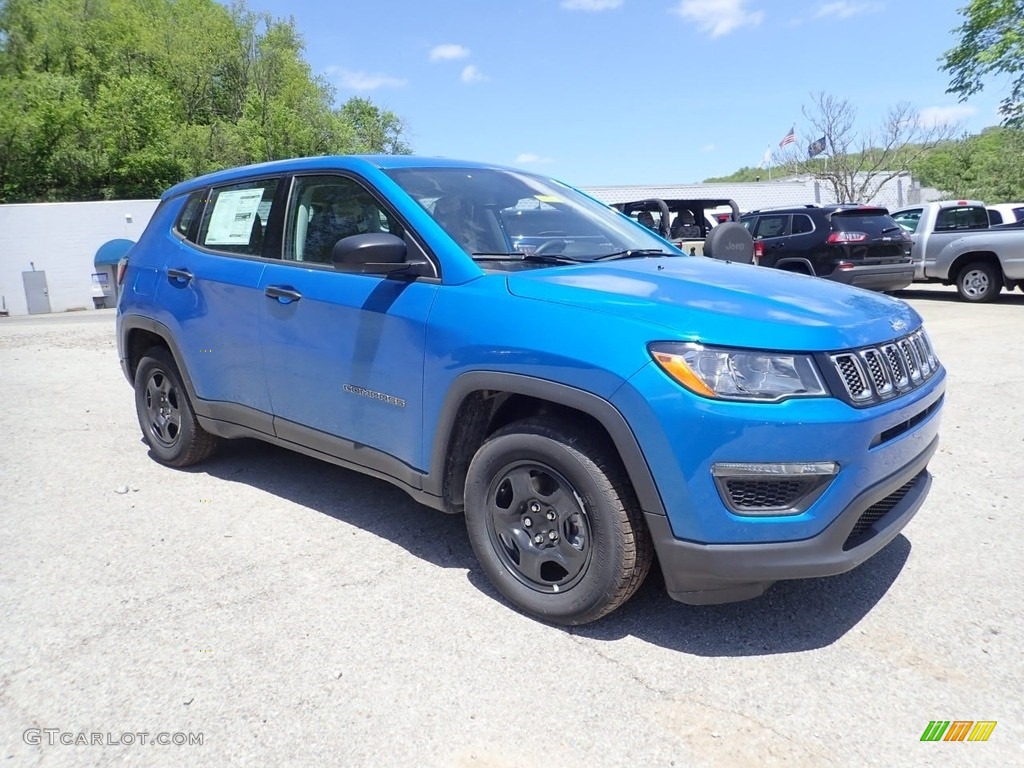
(554, 522)
(169, 425)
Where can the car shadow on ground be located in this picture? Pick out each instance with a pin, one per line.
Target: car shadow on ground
(792, 616)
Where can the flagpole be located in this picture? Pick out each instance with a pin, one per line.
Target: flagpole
(769, 153)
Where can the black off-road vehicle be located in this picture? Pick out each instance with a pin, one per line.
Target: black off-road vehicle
(702, 227)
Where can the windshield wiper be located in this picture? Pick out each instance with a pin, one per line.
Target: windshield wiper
(541, 258)
(632, 253)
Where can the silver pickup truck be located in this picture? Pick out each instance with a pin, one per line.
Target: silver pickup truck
(954, 245)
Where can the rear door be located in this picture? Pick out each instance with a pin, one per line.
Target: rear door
(772, 229)
(209, 287)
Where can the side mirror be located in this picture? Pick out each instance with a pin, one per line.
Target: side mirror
(373, 253)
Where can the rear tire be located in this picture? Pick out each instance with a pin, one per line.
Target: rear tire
(979, 282)
(168, 422)
(554, 522)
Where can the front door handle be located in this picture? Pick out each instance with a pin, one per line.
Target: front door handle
(179, 275)
(282, 293)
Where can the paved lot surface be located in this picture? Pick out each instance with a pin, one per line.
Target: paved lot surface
(296, 614)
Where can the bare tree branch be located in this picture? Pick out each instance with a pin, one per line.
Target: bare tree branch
(854, 164)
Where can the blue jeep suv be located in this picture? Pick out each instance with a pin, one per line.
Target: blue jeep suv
(501, 345)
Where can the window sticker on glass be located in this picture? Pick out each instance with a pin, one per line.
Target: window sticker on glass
(233, 214)
(548, 198)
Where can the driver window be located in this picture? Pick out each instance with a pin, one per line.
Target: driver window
(325, 209)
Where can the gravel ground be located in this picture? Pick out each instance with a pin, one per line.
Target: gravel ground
(296, 614)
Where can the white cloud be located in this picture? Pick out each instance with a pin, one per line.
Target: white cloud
(365, 81)
(448, 51)
(719, 17)
(708, 148)
(472, 74)
(590, 5)
(844, 9)
(528, 158)
(933, 116)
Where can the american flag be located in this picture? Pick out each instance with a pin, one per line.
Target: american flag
(789, 138)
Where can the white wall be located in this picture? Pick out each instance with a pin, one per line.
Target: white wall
(62, 239)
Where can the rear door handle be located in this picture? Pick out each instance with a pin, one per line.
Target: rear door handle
(179, 275)
(282, 293)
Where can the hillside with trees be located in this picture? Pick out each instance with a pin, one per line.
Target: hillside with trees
(986, 166)
(114, 99)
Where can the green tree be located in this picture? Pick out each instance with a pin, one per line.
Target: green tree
(376, 131)
(121, 98)
(986, 166)
(991, 43)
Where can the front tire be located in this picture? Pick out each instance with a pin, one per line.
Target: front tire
(168, 422)
(554, 522)
(979, 282)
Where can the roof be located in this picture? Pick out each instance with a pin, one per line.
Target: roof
(363, 164)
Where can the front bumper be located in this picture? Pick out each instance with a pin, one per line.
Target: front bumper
(701, 574)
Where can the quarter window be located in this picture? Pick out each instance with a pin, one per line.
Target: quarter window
(802, 224)
(190, 213)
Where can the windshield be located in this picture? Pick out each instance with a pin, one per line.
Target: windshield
(492, 213)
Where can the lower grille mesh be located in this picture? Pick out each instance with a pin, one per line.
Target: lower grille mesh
(862, 528)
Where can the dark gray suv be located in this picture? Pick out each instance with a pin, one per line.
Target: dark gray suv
(853, 244)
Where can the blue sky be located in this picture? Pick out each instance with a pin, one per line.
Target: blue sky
(630, 91)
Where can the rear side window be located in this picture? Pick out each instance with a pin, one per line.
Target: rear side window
(994, 217)
(772, 226)
(1018, 213)
(872, 224)
(967, 217)
(235, 217)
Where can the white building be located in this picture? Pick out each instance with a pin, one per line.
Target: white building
(753, 195)
(49, 253)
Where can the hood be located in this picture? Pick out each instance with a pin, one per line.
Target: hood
(715, 302)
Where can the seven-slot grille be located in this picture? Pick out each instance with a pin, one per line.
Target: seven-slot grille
(878, 373)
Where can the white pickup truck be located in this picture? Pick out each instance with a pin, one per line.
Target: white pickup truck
(954, 245)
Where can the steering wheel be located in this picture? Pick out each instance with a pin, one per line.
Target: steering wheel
(551, 246)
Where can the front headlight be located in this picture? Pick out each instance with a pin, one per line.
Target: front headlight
(739, 374)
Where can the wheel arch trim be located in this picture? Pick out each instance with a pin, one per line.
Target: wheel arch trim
(601, 410)
(131, 323)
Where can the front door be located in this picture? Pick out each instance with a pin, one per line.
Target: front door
(343, 353)
(37, 295)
